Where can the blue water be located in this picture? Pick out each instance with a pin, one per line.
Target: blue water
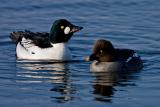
(133, 24)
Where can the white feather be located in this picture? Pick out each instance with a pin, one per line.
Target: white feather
(27, 50)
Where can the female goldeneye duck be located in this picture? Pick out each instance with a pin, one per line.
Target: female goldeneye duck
(107, 58)
(44, 46)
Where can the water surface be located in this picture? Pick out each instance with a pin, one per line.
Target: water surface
(130, 24)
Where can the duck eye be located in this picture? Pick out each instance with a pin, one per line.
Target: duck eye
(101, 51)
(67, 30)
(62, 27)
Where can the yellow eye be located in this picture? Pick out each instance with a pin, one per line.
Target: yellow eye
(62, 27)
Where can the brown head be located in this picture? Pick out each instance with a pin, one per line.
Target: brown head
(103, 51)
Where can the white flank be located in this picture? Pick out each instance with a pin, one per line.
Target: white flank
(28, 50)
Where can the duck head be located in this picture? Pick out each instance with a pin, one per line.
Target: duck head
(103, 51)
(62, 30)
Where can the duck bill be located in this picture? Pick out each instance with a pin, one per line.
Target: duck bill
(76, 29)
(91, 58)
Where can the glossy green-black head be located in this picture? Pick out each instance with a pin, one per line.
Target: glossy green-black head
(62, 30)
(103, 51)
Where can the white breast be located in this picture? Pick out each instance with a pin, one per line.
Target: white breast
(107, 66)
(59, 51)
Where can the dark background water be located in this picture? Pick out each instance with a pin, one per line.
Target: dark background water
(131, 24)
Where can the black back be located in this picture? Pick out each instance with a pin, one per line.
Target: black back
(39, 39)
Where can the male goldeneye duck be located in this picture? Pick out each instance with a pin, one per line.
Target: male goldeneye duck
(107, 58)
(44, 46)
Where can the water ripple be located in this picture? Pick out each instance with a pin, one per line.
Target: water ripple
(130, 24)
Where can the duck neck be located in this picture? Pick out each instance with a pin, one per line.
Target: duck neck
(53, 37)
(53, 34)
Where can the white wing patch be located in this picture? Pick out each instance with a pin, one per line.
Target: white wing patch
(27, 43)
(134, 55)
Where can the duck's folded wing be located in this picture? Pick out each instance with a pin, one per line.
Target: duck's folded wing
(125, 54)
(40, 39)
(17, 36)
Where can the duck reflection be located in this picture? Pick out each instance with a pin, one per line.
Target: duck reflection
(56, 73)
(103, 85)
(105, 82)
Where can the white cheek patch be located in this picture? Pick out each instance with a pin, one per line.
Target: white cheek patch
(67, 30)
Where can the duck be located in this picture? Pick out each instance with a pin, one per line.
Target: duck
(43, 45)
(106, 57)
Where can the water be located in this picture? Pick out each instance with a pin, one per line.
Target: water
(128, 24)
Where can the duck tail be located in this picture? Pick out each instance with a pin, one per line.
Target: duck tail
(17, 35)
